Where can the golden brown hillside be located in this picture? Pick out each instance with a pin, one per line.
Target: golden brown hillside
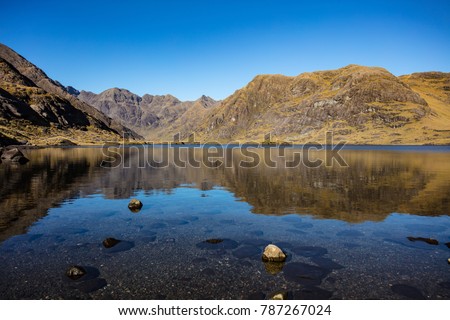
(39, 110)
(361, 105)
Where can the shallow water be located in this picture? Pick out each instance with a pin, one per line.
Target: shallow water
(345, 229)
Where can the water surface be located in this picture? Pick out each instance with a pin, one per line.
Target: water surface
(345, 229)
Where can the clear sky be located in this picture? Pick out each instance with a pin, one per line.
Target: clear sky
(190, 48)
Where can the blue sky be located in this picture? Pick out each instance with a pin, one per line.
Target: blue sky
(190, 48)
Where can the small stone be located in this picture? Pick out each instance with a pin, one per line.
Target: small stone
(75, 272)
(110, 242)
(431, 241)
(135, 205)
(448, 245)
(448, 260)
(273, 253)
(279, 296)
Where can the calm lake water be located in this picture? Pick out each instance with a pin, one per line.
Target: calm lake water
(345, 229)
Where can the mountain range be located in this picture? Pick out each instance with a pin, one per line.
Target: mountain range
(149, 115)
(361, 105)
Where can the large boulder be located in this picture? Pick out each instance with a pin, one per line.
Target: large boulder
(14, 155)
(273, 253)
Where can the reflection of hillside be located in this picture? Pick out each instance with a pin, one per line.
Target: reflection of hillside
(375, 184)
(27, 192)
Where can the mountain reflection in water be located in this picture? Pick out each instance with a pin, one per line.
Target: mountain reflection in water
(374, 229)
(375, 183)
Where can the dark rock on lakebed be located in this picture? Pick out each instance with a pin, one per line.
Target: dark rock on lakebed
(304, 273)
(215, 244)
(214, 241)
(326, 263)
(110, 242)
(426, 240)
(448, 245)
(135, 205)
(407, 291)
(310, 251)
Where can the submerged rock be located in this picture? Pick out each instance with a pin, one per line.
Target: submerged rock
(14, 155)
(217, 244)
(408, 291)
(310, 251)
(214, 241)
(110, 242)
(75, 272)
(273, 253)
(427, 240)
(305, 274)
(448, 245)
(135, 205)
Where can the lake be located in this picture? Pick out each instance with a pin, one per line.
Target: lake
(377, 227)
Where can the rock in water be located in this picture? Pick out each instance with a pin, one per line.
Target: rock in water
(214, 241)
(135, 205)
(427, 240)
(14, 155)
(75, 272)
(273, 253)
(110, 242)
